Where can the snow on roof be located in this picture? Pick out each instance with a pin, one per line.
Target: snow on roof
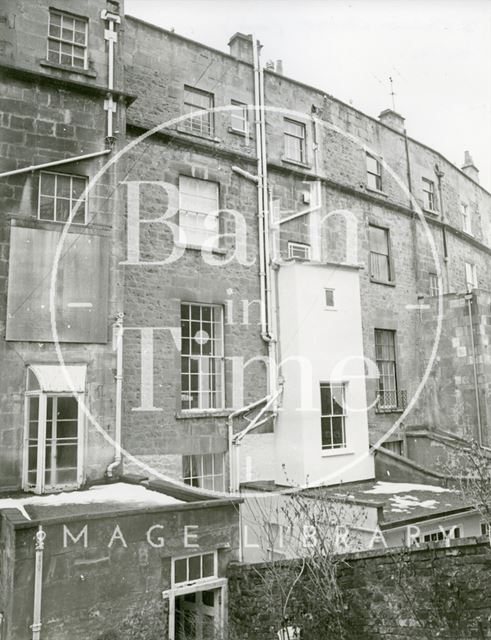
(404, 487)
(119, 492)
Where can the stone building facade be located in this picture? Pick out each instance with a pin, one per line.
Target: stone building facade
(343, 189)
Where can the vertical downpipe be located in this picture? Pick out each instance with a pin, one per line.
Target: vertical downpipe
(469, 297)
(38, 584)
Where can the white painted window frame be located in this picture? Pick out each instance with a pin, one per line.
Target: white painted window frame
(220, 405)
(345, 387)
(240, 116)
(40, 486)
(72, 201)
(85, 46)
(202, 584)
(175, 592)
(292, 246)
(471, 281)
(466, 218)
(218, 480)
(183, 239)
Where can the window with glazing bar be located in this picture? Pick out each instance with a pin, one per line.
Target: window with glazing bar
(67, 39)
(333, 416)
(60, 195)
(204, 470)
(374, 173)
(429, 195)
(198, 212)
(202, 360)
(380, 259)
(200, 123)
(294, 141)
(385, 357)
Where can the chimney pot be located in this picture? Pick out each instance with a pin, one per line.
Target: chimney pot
(469, 168)
(279, 66)
(393, 120)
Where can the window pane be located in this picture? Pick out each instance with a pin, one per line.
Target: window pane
(195, 568)
(326, 400)
(180, 570)
(208, 565)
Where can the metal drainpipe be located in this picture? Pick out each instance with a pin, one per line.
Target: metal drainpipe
(469, 297)
(260, 210)
(54, 163)
(118, 346)
(38, 584)
(111, 36)
(271, 328)
(439, 175)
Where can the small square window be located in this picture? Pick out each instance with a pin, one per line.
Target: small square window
(329, 297)
(298, 251)
(60, 196)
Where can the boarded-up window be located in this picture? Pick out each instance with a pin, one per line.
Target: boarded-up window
(81, 287)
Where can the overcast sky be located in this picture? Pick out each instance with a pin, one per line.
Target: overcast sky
(438, 53)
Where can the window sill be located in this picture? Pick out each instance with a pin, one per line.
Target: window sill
(197, 247)
(63, 67)
(385, 282)
(377, 192)
(330, 308)
(185, 414)
(238, 132)
(198, 135)
(303, 165)
(433, 212)
(331, 453)
(381, 410)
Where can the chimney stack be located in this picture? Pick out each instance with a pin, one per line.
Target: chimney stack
(393, 120)
(469, 168)
(241, 46)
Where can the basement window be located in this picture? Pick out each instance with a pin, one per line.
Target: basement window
(204, 470)
(53, 433)
(61, 197)
(67, 39)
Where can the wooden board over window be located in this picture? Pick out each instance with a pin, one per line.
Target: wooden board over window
(81, 291)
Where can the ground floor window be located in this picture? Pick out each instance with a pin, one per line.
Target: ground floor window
(196, 598)
(53, 435)
(333, 416)
(197, 615)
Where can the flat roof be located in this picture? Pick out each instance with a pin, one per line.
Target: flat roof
(123, 498)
